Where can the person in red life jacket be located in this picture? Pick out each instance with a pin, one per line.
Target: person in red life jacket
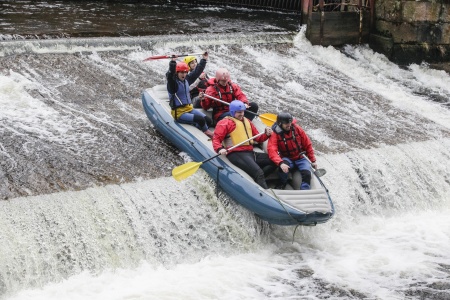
(178, 82)
(284, 148)
(222, 88)
(236, 128)
(199, 85)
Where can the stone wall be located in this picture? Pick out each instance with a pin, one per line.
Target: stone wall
(409, 31)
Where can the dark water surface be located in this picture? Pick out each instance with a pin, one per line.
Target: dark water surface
(56, 19)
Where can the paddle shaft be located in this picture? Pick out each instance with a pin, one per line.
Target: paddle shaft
(318, 172)
(186, 170)
(226, 103)
(231, 148)
(171, 56)
(306, 157)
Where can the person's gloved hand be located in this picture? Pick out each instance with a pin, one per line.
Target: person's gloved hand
(284, 167)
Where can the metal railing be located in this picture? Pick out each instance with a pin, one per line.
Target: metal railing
(285, 5)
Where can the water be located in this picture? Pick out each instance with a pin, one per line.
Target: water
(90, 210)
(27, 19)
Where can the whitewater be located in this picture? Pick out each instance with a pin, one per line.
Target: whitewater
(90, 211)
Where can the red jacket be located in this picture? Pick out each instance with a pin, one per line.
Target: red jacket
(230, 92)
(276, 147)
(224, 127)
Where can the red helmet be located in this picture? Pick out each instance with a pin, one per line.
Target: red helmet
(222, 74)
(182, 66)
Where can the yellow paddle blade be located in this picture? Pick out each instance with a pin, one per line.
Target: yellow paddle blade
(268, 119)
(186, 170)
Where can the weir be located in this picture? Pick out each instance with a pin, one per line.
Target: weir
(72, 117)
(405, 31)
(48, 238)
(329, 22)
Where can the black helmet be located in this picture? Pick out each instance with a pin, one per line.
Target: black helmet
(284, 118)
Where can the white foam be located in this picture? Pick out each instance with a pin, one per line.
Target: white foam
(378, 257)
(374, 72)
(25, 113)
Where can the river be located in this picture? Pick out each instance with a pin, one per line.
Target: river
(90, 210)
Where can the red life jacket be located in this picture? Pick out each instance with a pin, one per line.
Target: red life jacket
(227, 96)
(289, 146)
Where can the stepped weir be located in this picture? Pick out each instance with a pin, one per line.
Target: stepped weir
(406, 31)
(329, 22)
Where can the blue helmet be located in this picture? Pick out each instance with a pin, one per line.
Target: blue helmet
(235, 106)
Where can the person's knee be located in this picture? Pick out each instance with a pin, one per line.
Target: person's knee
(260, 179)
(288, 162)
(253, 106)
(269, 169)
(209, 121)
(196, 102)
(199, 120)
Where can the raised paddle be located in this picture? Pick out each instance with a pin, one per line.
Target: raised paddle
(188, 169)
(171, 56)
(267, 118)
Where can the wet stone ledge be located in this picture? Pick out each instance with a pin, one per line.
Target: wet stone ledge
(412, 32)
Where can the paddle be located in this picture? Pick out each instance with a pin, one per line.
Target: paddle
(188, 169)
(317, 172)
(171, 56)
(267, 118)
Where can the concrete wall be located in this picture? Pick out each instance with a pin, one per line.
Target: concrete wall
(410, 31)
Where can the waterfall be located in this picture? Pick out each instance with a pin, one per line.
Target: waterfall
(86, 186)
